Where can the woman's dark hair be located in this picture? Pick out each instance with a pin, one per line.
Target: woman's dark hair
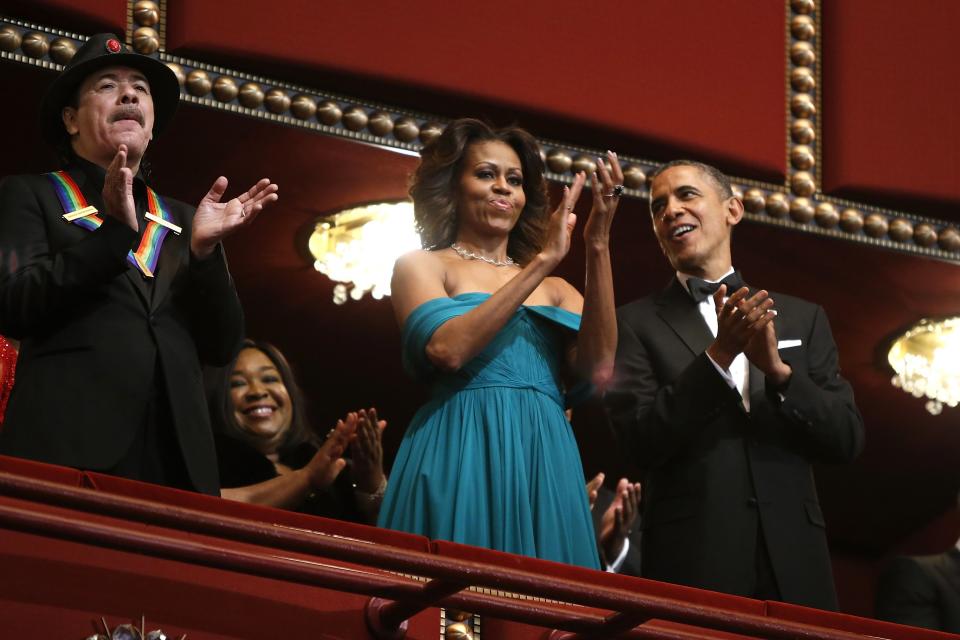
(435, 186)
(221, 404)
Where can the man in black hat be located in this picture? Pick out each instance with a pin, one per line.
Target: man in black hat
(116, 293)
(725, 402)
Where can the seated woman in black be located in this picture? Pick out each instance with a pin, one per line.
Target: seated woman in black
(269, 455)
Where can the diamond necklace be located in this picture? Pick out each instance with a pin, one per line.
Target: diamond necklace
(470, 255)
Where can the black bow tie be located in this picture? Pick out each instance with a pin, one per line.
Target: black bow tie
(700, 289)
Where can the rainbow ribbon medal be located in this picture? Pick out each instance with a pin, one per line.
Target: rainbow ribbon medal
(159, 220)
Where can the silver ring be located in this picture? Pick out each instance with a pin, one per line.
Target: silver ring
(616, 193)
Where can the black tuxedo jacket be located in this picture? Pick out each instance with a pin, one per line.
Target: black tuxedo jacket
(923, 591)
(714, 476)
(95, 333)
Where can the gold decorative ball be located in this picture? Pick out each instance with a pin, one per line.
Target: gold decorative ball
(198, 83)
(329, 112)
(355, 118)
(802, 54)
(303, 107)
(430, 131)
(925, 235)
(146, 40)
(851, 220)
(405, 129)
(802, 184)
(802, 6)
(875, 225)
(277, 101)
(584, 163)
(901, 229)
(802, 27)
(802, 158)
(458, 631)
(802, 131)
(753, 200)
(146, 13)
(777, 205)
(826, 215)
(801, 79)
(35, 45)
(251, 95)
(380, 123)
(801, 210)
(559, 161)
(10, 39)
(802, 106)
(634, 177)
(225, 89)
(458, 616)
(62, 50)
(949, 239)
(177, 71)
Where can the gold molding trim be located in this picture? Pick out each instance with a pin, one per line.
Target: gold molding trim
(406, 132)
(147, 25)
(803, 97)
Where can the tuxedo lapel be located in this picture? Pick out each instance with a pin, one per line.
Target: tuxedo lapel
(682, 315)
(172, 256)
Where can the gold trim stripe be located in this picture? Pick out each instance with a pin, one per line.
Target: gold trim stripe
(406, 132)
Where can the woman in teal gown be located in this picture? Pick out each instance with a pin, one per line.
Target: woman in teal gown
(491, 459)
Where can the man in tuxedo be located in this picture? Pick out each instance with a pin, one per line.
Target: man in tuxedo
(923, 591)
(116, 293)
(725, 395)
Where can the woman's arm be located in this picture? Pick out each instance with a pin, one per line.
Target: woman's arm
(418, 277)
(288, 491)
(597, 341)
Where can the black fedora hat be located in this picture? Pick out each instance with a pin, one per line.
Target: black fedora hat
(107, 50)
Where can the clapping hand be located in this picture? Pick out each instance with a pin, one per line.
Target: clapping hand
(328, 462)
(118, 191)
(745, 325)
(367, 451)
(607, 186)
(215, 220)
(593, 487)
(619, 518)
(562, 221)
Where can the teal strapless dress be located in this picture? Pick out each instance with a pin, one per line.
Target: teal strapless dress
(491, 460)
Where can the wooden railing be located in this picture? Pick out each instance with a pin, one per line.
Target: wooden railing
(386, 584)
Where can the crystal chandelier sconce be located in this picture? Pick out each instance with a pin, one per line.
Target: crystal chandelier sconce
(926, 360)
(356, 248)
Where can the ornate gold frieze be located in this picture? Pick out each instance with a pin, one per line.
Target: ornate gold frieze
(798, 205)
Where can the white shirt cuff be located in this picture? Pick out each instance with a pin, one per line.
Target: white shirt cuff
(723, 372)
(616, 565)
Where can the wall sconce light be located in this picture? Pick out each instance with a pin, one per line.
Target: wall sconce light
(356, 248)
(926, 360)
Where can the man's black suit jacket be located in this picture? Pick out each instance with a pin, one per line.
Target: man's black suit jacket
(713, 474)
(94, 332)
(923, 591)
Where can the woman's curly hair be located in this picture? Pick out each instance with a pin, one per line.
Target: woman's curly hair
(435, 186)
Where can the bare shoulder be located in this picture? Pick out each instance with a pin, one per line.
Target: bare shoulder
(418, 276)
(416, 260)
(564, 294)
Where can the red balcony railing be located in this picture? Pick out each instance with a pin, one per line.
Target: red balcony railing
(384, 579)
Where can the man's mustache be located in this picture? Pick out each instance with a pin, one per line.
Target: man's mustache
(127, 113)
